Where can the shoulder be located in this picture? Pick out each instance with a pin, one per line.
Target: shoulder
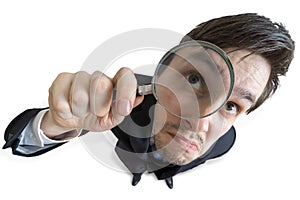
(223, 144)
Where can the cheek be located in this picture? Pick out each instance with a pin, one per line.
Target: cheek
(169, 99)
(180, 101)
(219, 125)
(160, 118)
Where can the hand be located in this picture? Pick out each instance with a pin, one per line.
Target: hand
(84, 101)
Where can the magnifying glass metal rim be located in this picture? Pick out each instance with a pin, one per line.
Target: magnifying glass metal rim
(150, 89)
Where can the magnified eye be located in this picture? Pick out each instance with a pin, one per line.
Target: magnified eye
(196, 80)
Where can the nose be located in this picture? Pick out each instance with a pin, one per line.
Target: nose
(199, 125)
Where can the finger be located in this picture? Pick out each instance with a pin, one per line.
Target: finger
(126, 84)
(101, 89)
(59, 96)
(114, 115)
(138, 101)
(79, 94)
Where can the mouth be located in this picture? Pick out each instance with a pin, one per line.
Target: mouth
(184, 143)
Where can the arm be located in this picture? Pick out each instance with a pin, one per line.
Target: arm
(21, 137)
(26, 138)
(76, 101)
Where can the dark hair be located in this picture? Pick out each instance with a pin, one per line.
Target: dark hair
(255, 33)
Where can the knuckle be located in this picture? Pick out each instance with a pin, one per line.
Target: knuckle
(50, 90)
(125, 69)
(127, 78)
(82, 74)
(63, 75)
(101, 84)
(79, 99)
(60, 106)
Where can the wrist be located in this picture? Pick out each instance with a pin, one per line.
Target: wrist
(53, 130)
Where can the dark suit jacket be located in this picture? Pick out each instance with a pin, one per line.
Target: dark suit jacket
(133, 147)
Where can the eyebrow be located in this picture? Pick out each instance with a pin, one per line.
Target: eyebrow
(244, 94)
(208, 61)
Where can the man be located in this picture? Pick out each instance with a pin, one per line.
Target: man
(259, 50)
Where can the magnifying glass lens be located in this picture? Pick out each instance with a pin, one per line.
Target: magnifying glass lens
(193, 80)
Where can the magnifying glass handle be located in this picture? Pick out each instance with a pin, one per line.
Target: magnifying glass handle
(140, 90)
(144, 90)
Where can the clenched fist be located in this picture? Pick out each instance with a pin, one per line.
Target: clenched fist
(85, 101)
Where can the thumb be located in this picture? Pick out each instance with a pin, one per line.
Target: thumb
(138, 101)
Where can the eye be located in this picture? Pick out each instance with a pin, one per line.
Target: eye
(232, 108)
(196, 80)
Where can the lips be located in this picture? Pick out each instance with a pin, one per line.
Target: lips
(185, 143)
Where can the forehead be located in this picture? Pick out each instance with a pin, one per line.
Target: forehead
(251, 72)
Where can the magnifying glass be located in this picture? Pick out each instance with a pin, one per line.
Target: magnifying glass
(192, 80)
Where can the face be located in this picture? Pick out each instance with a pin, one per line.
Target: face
(180, 141)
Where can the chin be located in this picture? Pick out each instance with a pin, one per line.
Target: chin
(186, 159)
(181, 160)
(176, 155)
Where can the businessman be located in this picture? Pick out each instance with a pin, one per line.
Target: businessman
(259, 50)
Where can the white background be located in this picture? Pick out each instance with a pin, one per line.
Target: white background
(38, 40)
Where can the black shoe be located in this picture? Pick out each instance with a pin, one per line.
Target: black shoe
(136, 179)
(169, 182)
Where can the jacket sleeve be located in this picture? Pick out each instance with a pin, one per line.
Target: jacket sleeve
(14, 130)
